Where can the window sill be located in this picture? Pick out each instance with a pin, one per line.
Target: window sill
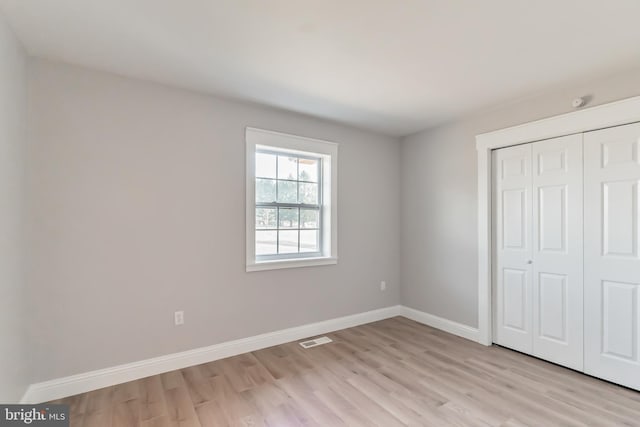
(291, 263)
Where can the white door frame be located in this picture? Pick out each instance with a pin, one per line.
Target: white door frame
(607, 115)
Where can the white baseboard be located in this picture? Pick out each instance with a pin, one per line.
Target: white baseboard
(446, 325)
(82, 383)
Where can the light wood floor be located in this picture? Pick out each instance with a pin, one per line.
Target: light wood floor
(388, 373)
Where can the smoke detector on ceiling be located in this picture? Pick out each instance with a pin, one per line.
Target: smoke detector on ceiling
(579, 102)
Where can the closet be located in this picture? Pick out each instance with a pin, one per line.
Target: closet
(566, 262)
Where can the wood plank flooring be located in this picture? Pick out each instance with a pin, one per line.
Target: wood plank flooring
(390, 373)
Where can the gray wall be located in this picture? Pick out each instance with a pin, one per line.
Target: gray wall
(13, 310)
(136, 195)
(439, 185)
(136, 209)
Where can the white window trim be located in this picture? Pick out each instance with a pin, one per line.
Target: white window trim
(607, 115)
(296, 145)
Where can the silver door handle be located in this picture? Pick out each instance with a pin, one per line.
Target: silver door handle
(530, 262)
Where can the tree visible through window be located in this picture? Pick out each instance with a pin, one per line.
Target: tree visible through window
(288, 201)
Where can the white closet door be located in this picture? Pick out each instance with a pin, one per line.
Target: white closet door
(612, 261)
(557, 281)
(513, 247)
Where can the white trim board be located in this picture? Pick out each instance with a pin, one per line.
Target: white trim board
(602, 116)
(82, 383)
(585, 120)
(441, 323)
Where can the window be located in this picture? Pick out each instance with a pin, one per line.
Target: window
(291, 201)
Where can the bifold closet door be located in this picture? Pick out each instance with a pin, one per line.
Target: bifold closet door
(558, 251)
(612, 258)
(538, 249)
(512, 247)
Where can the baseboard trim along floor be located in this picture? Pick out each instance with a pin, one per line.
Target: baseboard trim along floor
(441, 323)
(93, 380)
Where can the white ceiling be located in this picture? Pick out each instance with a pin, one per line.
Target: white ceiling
(393, 66)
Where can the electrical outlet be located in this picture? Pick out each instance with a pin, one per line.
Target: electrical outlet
(383, 286)
(178, 318)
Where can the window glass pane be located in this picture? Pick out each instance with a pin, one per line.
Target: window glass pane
(288, 241)
(265, 165)
(309, 193)
(309, 218)
(265, 190)
(288, 217)
(287, 167)
(308, 170)
(309, 241)
(288, 192)
(266, 218)
(266, 242)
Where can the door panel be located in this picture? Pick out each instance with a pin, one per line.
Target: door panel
(515, 299)
(512, 247)
(553, 303)
(619, 315)
(612, 263)
(514, 216)
(620, 218)
(557, 288)
(618, 152)
(552, 233)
